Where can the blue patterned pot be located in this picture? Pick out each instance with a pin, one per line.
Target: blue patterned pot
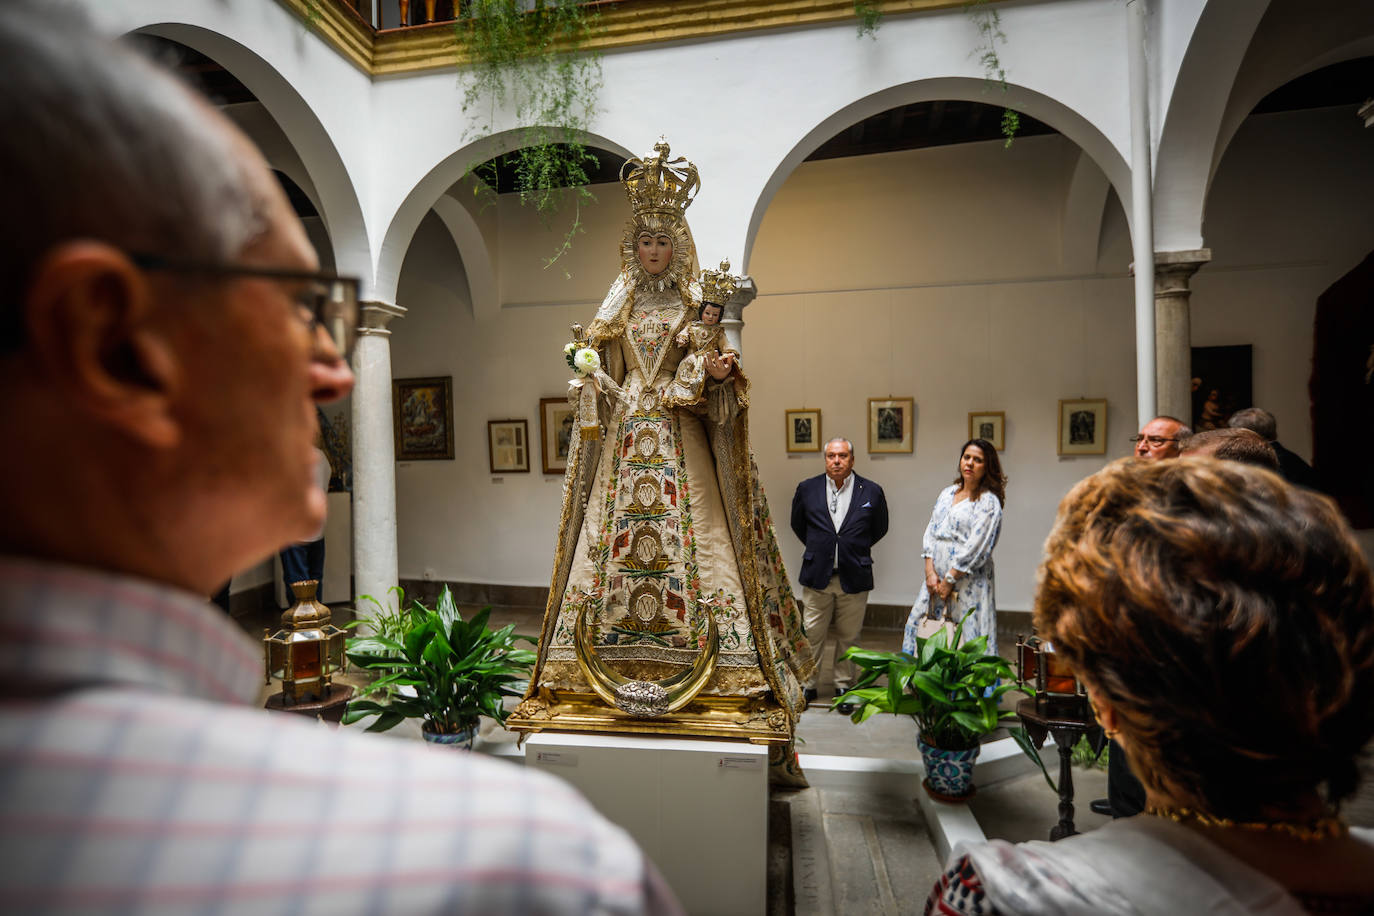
(949, 774)
(462, 740)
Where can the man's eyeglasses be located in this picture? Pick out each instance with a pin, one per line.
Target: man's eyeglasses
(325, 300)
(1154, 441)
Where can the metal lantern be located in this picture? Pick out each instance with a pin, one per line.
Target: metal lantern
(306, 652)
(1046, 676)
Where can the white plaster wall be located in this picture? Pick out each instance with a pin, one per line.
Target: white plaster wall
(756, 103)
(936, 274)
(980, 247)
(455, 520)
(1291, 211)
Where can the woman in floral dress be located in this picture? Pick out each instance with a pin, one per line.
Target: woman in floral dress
(958, 544)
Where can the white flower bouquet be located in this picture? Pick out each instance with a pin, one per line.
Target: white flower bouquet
(582, 360)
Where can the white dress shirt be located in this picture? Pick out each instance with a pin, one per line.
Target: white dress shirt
(837, 500)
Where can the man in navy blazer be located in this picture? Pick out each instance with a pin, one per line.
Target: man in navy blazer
(839, 516)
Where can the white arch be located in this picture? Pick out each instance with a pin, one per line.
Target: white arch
(483, 283)
(1052, 112)
(428, 190)
(1085, 204)
(1265, 70)
(1188, 134)
(255, 121)
(1239, 53)
(337, 202)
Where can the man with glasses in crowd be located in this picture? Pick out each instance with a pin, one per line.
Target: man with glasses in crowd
(1160, 438)
(167, 338)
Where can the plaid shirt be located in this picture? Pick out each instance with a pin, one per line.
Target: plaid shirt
(134, 777)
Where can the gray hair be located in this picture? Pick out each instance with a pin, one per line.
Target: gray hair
(1184, 430)
(1256, 419)
(847, 444)
(102, 144)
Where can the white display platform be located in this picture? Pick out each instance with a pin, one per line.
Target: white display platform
(699, 809)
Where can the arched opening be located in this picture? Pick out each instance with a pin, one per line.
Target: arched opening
(272, 113)
(911, 253)
(483, 309)
(1290, 213)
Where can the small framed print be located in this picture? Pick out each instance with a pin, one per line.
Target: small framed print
(555, 433)
(990, 425)
(1083, 427)
(803, 430)
(891, 425)
(422, 418)
(508, 444)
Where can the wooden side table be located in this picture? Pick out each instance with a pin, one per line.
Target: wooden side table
(1040, 721)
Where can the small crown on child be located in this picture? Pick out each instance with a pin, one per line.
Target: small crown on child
(718, 286)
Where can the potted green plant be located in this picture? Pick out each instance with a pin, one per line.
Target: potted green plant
(440, 668)
(950, 688)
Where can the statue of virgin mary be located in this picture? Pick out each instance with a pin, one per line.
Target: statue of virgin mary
(667, 570)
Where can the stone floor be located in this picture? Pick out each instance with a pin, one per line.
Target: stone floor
(842, 849)
(846, 850)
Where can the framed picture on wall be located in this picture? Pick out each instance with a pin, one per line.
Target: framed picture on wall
(1221, 384)
(422, 418)
(555, 433)
(803, 430)
(1083, 426)
(990, 425)
(891, 425)
(508, 445)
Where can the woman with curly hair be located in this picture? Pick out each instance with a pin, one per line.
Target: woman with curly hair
(1223, 626)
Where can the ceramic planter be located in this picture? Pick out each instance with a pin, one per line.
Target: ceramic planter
(461, 740)
(949, 774)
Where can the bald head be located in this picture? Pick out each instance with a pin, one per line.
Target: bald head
(1160, 437)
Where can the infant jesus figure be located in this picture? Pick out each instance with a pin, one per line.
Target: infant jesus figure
(701, 338)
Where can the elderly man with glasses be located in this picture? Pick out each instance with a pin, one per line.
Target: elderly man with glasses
(1160, 438)
(167, 335)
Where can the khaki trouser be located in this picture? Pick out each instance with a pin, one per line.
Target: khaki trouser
(829, 612)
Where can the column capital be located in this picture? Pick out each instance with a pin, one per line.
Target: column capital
(733, 318)
(1174, 269)
(745, 294)
(1194, 258)
(375, 315)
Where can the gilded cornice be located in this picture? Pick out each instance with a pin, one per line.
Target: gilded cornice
(340, 27)
(624, 24)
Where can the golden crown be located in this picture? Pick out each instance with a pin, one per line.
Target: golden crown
(718, 286)
(656, 184)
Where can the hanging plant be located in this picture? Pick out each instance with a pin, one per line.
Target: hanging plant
(312, 12)
(869, 17)
(534, 60)
(989, 25)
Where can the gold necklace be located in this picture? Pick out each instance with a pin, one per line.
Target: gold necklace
(1323, 828)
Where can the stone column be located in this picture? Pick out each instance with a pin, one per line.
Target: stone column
(1173, 331)
(733, 319)
(374, 459)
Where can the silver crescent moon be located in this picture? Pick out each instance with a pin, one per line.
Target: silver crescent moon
(646, 699)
